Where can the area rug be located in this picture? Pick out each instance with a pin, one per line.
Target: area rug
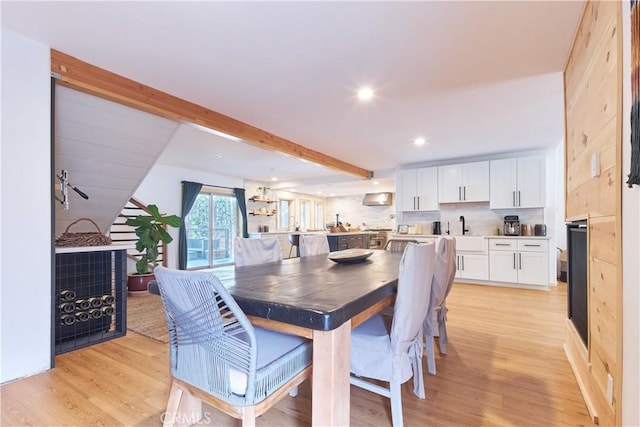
(145, 315)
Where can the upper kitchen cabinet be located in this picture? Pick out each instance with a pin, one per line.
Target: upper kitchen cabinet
(466, 182)
(517, 183)
(417, 189)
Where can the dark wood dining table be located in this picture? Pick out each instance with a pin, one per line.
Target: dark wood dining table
(321, 300)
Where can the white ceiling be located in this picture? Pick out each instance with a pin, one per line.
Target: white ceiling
(474, 78)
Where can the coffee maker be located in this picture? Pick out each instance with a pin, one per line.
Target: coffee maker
(511, 225)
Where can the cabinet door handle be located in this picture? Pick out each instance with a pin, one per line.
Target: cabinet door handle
(519, 261)
(502, 244)
(519, 200)
(514, 261)
(462, 262)
(459, 193)
(418, 202)
(513, 198)
(532, 246)
(464, 193)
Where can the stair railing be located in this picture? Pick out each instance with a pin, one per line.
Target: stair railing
(125, 234)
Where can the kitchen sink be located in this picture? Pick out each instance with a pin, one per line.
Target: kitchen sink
(470, 243)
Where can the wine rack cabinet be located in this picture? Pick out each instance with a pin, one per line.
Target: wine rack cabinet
(90, 296)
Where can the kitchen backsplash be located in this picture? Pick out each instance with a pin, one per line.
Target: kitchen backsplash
(352, 211)
(479, 219)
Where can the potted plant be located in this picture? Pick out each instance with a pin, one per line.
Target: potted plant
(150, 231)
(264, 191)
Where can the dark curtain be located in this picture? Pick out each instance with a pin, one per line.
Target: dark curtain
(634, 172)
(242, 205)
(190, 191)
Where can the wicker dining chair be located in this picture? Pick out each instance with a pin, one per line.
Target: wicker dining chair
(219, 357)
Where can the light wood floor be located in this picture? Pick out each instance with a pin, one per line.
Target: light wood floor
(505, 367)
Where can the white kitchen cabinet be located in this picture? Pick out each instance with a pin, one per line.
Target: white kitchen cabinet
(417, 189)
(517, 183)
(519, 261)
(466, 182)
(472, 266)
(472, 261)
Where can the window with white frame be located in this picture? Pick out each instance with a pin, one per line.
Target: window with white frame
(319, 214)
(306, 214)
(211, 227)
(285, 215)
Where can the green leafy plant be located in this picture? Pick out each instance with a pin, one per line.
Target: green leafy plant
(150, 232)
(264, 191)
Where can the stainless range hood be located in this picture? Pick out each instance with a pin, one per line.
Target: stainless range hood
(378, 199)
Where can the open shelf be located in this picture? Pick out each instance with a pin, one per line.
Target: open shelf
(258, 213)
(259, 199)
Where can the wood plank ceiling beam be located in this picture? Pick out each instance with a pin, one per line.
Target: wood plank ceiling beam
(79, 75)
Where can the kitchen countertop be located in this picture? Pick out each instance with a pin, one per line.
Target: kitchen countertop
(276, 233)
(76, 249)
(351, 233)
(432, 236)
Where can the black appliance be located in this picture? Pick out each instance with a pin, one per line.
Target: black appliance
(540, 230)
(511, 225)
(436, 228)
(577, 258)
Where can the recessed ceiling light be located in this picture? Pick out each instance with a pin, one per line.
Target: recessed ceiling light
(274, 178)
(217, 156)
(365, 93)
(319, 192)
(375, 183)
(419, 141)
(332, 194)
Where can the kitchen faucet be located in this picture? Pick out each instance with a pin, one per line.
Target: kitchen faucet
(464, 227)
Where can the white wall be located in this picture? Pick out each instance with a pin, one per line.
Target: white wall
(551, 210)
(352, 211)
(25, 231)
(630, 251)
(163, 187)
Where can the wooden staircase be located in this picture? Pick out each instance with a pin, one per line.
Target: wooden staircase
(124, 234)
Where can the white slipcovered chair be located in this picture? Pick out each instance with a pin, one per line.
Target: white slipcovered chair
(217, 356)
(435, 322)
(313, 244)
(256, 251)
(396, 356)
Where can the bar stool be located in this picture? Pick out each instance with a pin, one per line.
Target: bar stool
(294, 239)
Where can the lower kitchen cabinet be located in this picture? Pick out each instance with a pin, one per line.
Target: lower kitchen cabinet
(472, 266)
(348, 241)
(519, 261)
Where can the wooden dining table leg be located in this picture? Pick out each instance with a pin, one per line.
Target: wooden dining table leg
(330, 386)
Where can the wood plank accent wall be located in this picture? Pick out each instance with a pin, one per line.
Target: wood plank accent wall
(593, 116)
(88, 78)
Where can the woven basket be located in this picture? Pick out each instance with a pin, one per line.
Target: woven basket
(91, 238)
